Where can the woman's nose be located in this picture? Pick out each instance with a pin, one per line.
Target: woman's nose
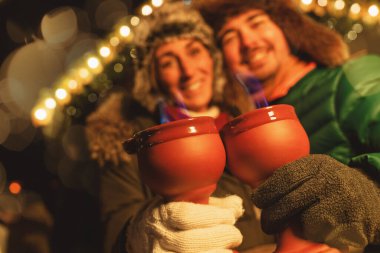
(187, 69)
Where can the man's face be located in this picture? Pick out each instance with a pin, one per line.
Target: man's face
(253, 44)
(185, 71)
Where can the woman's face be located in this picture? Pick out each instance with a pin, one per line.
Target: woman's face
(185, 71)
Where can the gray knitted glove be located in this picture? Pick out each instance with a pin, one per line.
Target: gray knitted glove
(333, 203)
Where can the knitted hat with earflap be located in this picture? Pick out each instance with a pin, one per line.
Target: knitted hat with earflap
(308, 39)
(173, 20)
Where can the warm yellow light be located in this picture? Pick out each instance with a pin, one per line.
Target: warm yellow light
(84, 73)
(157, 3)
(339, 4)
(146, 10)
(355, 8)
(50, 103)
(40, 114)
(358, 28)
(61, 94)
(124, 31)
(322, 3)
(307, 5)
(373, 10)
(72, 84)
(105, 51)
(93, 62)
(114, 41)
(118, 67)
(306, 2)
(135, 21)
(352, 35)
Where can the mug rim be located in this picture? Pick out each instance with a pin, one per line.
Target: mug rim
(184, 128)
(262, 116)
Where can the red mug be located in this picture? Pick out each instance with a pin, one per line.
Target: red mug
(181, 160)
(261, 141)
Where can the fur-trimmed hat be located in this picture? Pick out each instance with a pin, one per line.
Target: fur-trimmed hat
(308, 39)
(173, 20)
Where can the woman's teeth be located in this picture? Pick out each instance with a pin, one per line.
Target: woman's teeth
(258, 56)
(192, 86)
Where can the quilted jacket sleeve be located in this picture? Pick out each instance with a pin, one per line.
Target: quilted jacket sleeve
(360, 111)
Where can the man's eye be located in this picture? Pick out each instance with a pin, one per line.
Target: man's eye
(228, 38)
(256, 24)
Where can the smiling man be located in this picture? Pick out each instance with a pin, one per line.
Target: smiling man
(304, 64)
(252, 44)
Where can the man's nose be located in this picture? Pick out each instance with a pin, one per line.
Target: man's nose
(247, 38)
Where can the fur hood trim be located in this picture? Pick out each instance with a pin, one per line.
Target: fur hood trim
(308, 39)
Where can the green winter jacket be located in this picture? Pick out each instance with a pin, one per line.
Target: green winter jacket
(340, 111)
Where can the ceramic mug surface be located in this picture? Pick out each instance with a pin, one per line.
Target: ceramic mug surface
(180, 160)
(261, 141)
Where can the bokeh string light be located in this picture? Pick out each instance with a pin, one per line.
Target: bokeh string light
(348, 17)
(359, 13)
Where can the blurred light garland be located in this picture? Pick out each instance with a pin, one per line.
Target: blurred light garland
(85, 70)
(93, 63)
(348, 17)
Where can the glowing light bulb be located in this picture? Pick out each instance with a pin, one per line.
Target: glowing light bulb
(146, 10)
(358, 28)
(352, 35)
(322, 3)
(50, 103)
(307, 5)
(61, 94)
(339, 4)
(114, 41)
(355, 8)
(124, 31)
(72, 84)
(135, 21)
(373, 10)
(306, 2)
(40, 114)
(118, 67)
(157, 3)
(93, 62)
(84, 73)
(105, 51)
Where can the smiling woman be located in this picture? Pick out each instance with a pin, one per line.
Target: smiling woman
(185, 71)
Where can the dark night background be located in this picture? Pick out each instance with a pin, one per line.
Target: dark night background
(75, 212)
(76, 225)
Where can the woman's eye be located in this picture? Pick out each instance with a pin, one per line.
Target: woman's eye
(166, 64)
(194, 51)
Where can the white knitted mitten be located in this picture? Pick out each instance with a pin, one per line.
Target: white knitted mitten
(187, 227)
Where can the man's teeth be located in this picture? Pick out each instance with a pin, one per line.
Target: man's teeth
(193, 86)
